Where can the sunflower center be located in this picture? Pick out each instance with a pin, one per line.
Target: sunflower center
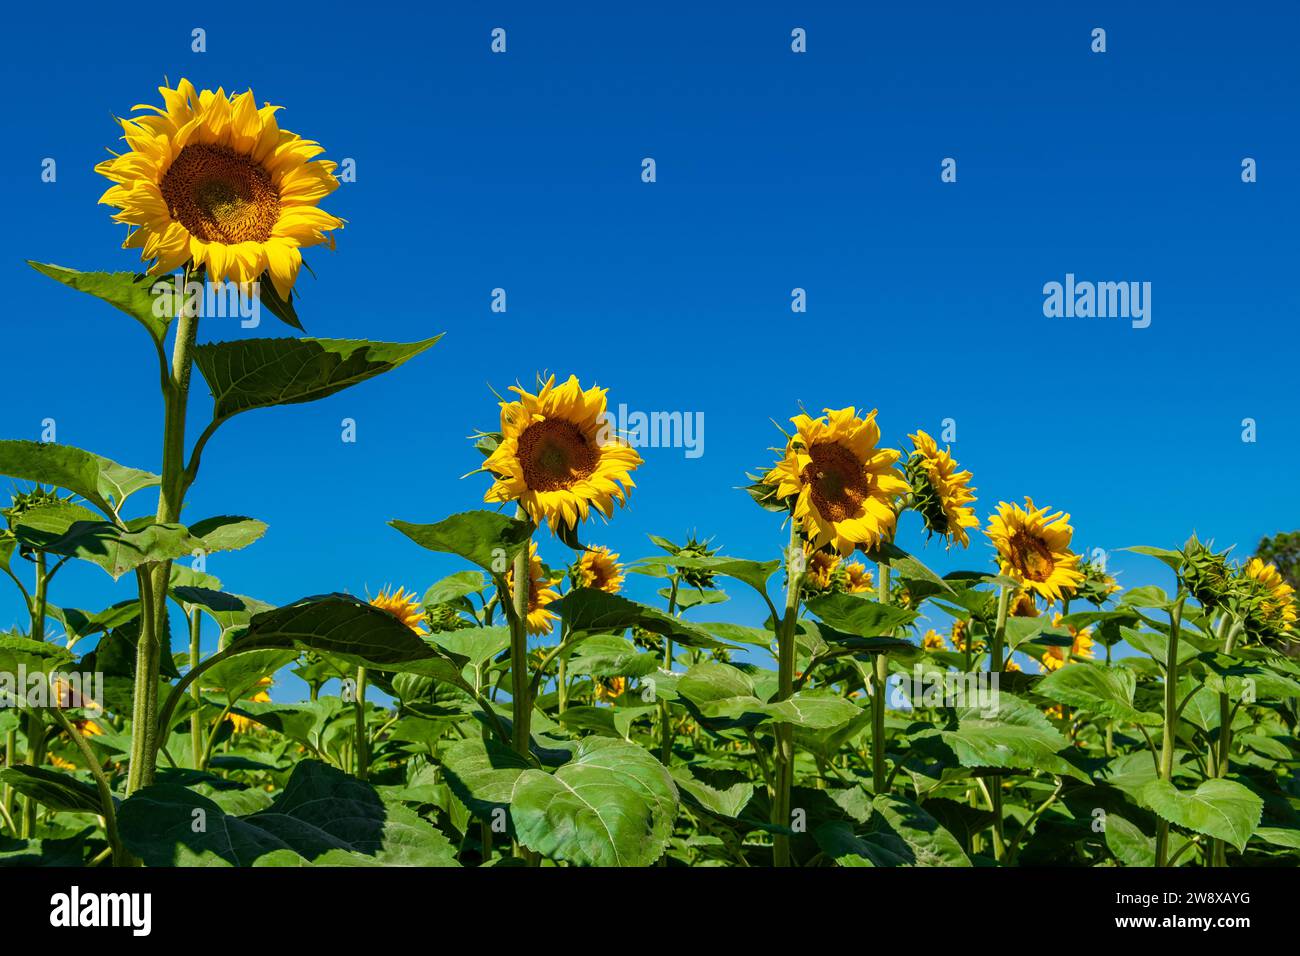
(1031, 556)
(555, 454)
(220, 195)
(837, 480)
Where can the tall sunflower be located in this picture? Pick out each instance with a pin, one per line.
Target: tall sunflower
(843, 487)
(1034, 548)
(540, 593)
(941, 494)
(210, 178)
(599, 568)
(556, 458)
(405, 607)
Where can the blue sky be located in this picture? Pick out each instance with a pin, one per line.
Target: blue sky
(774, 170)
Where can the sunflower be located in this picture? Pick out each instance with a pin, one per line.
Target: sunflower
(859, 579)
(610, 689)
(1024, 605)
(960, 629)
(843, 486)
(88, 728)
(1034, 549)
(1276, 607)
(212, 179)
(540, 592)
(405, 607)
(933, 641)
(941, 494)
(61, 764)
(555, 455)
(599, 568)
(1011, 667)
(820, 568)
(1054, 657)
(243, 724)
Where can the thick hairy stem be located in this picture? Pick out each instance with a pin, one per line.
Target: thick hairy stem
(783, 770)
(146, 735)
(1170, 723)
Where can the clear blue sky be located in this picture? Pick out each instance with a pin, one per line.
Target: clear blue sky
(775, 170)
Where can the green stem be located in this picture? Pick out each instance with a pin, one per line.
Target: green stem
(879, 681)
(145, 731)
(196, 719)
(521, 705)
(101, 784)
(362, 744)
(1170, 723)
(996, 665)
(665, 712)
(783, 757)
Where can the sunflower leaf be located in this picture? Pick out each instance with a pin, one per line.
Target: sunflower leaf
(98, 480)
(128, 291)
(260, 373)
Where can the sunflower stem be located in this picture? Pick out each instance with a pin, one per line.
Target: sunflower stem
(363, 744)
(879, 679)
(665, 714)
(1170, 724)
(196, 719)
(146, 735)
(995, 668)
(783, 756)
(521, 709)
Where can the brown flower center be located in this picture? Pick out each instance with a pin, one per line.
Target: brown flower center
(1031, 556)
(555, 454)
(838, 482)
(220, 195)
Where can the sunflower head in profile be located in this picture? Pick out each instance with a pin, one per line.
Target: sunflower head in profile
(1055, 657)
(933, 641)
(556, 457)
(941, 494)
(540, 593)
(405, 607)
(599, 568)
(610, 689)
(960, 634)
(1270, 605)
(840, 488)
(1034, 549)
(858, 578)
(1205, 574)
(211, 179)
(1024, 605)
(242, 724)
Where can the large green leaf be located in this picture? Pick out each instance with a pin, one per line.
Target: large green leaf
(928, 842)
(128, 291)
(612, 805)
(57, 790)
(257, 373)
(324, 817)
(593, 611)
(1104, 690)
(102, 482)
(859, 615)
(1013, 735)
(485, 538)
(753, 573)
(62, 529)
(482, 774)
(1223, 809)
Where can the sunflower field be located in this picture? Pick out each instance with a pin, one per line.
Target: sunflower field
(524, 711)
